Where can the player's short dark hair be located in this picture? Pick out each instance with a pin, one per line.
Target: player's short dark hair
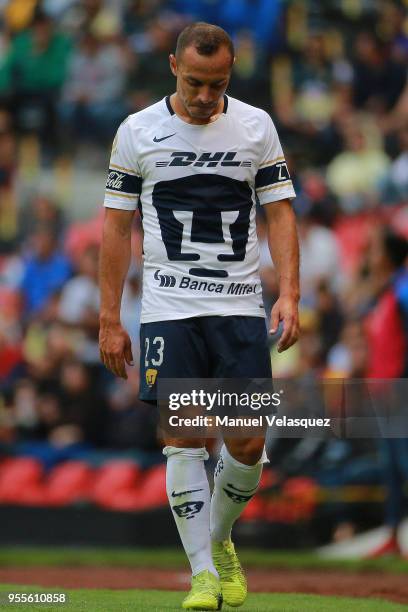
(206, 38)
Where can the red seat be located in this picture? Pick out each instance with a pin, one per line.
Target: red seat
(68, 482)
(33, 494)
(153, 487)
(125, 500)
(10, 303)
(268, 478)
(147, 491)
(254, 510)
(301, 486)
(16, 475)
(112, 478)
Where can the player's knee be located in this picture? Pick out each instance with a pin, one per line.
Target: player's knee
(247, 452)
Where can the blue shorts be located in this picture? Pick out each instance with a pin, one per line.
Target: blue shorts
(202, 347)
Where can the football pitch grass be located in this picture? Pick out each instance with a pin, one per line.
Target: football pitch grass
(103, 600)
(172, 558)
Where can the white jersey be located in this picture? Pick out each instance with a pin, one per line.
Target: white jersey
(196, 188)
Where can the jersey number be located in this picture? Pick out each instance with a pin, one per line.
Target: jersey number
(158, 344)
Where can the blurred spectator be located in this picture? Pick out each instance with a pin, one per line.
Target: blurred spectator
(36, 70)
(83, 411)
(151, 78)
(46, 346)
(261, 17)
(388, 309)
(136, 17)
(82, 234)
(11, 358)
(5, 80)
(132, 423)
(41, 211)
(11, 272)
(67, 413)
(310, 87)
(57, 8)
(308, 91)
(355, 175)
(79, 301)
(99, 17)
(388, 314)
(314, 200)
(348, 358)
(132, 306)
(330, 316)
(46, 269)
(304, 360)
(392, 26)
(196, 10)
(79, 305)
(320, 257)
(93, 103)
(248, 80)
(24, 408)
(310, 347)
(378, 80)
(18, 14)
(398, 116)
(395, 188)
(8, 204)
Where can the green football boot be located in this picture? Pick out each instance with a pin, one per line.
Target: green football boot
(232, 577)
(205, 593)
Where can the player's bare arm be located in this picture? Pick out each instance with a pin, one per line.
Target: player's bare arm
(114, 341)
(284, 248)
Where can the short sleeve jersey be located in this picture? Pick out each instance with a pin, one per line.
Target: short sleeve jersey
(196, 188)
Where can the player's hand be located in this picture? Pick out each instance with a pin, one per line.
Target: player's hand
(285, 309)
(115, 348)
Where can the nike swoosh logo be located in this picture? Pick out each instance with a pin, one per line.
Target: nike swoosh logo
(174, 494)
(155, 139)
(241, 490)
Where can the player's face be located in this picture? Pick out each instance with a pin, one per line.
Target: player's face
(202, 81)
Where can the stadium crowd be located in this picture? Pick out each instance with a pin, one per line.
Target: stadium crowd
(333, 76)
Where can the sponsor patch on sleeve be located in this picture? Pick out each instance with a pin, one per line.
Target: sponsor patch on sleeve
(120, 181)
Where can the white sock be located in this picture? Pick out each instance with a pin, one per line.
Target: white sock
(234, 485)
(188, 492)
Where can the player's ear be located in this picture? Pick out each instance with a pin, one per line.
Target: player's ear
(173, 64)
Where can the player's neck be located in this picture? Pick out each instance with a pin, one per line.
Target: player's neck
(181, 111)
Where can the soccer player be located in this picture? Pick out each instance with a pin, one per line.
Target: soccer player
(194, 164)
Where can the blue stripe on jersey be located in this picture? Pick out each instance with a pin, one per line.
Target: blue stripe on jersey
(122, 182)
(276, 173)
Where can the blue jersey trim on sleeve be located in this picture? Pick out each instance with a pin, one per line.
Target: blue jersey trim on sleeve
(276, 173)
